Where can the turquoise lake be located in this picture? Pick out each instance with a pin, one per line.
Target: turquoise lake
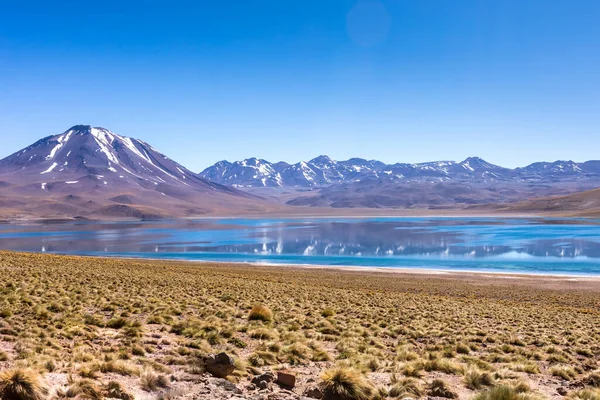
(537, 245)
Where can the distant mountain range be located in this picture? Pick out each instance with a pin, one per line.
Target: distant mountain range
(357, 182)
(91, 172)
(324, 171)
(87, 171)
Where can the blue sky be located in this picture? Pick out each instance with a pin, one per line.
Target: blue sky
(512, 81)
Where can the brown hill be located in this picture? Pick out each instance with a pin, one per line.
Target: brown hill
(583, 204)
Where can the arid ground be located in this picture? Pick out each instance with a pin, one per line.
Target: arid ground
(74, 327)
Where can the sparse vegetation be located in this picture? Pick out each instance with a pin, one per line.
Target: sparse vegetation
(126, 329)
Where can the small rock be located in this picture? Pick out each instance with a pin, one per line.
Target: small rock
(562, 391)
(263, 385)
(314, 393)
(220, 365)
(267, 377)
(286, 379)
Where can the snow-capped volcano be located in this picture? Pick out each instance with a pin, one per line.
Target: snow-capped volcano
(88, 151)
(94, 162)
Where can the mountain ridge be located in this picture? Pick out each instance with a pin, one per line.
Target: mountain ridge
(323, 171)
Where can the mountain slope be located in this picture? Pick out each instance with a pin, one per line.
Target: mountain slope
(581, 204)
(359, 183)
(86, 171)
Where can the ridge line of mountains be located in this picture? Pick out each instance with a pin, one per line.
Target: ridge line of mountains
(93, 172)
(323, 171)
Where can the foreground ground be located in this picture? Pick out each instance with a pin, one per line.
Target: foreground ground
(74, 327)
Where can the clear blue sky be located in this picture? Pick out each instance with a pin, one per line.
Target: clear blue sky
(512, 81)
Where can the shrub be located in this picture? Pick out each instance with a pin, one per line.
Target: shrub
(263, 334)
(328, 312)
(346, 384)
(476, 379)
(118, 367)
(584, 394)
(21, 384)
(260, 313)
(407, 387)
(114, 390)
(117, 323)
(150, 381)
(593, 379)
(439, 388)
(462, 348)
(85, 389)
(262, 358)
(565, 372)
(295, 353)
(503, 393)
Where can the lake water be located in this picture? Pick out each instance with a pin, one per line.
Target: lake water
(546, 246)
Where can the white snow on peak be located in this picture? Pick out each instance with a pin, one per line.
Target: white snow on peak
(62, 139)
(468, 166)
(104, 139)
(104, 135)
(44, 186)
(129, 143)
(71, 182)
(54, 165)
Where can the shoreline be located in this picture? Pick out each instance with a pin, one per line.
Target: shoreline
(400, 213)
(448, 273)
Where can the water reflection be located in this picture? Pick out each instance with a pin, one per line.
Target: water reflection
(390, 242)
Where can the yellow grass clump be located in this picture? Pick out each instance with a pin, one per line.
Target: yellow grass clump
(260, 312)
(346, 384)
(21, 384)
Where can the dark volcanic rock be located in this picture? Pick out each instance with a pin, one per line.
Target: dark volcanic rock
(221, 365)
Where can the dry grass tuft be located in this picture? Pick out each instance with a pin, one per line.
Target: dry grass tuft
(21, 384)
(346, 384)
(504, 393)
(260, 312)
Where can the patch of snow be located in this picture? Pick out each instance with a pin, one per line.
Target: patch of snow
(44, 186)
(71, 182)
(62, 139)
(102, 138)
(468, 166)
(129, 143)
(49, 169)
